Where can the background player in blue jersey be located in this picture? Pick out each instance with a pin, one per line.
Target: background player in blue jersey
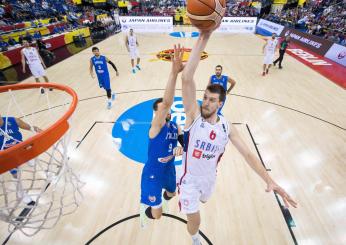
(100, 63)
(159, 170)
(222, 80)
(10, 134)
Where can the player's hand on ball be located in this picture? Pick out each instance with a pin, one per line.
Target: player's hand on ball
(177, 59)
(178, 151)
(272, 186)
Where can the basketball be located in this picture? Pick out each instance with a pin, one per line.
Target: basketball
(204, 14)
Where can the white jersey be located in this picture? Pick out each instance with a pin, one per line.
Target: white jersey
(270, 47)
(204, 145)
(31, 56)
(132, 41)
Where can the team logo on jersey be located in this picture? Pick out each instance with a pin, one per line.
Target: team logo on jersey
(197, 153)
(212, 135)
(167, 54)
(152, 198)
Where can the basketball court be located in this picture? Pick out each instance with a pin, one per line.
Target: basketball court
(294, 119)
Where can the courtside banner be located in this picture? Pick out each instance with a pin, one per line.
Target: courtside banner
(267, 28)
(238, 25)
(337, 53)
(316, 44)
(146, 24)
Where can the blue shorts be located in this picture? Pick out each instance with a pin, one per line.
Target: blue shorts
(154, 180)
(104, 82)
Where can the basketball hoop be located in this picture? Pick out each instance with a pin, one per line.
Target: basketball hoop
(44, 187)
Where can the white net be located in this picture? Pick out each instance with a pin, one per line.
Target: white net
(36, 194)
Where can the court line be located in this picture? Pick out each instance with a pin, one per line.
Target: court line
(285, 212)
(237, 95)
(137, 216)
(201, 90)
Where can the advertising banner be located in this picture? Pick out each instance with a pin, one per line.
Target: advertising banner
(316, 44)
(266, 28)
(238, 25)
(146, 24)
(337, 53)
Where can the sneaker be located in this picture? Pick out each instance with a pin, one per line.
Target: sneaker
(280, 67)
(42, 90)
(267, 71)
(144, 220)
(263, 73)
(109, 105)
(113, 96)
(137, 66)
(274, 64)
(133, 71)
(50, 89)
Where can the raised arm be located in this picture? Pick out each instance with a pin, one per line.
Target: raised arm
(168, 97)
(257, 166)
(188, 84)
(24, 125)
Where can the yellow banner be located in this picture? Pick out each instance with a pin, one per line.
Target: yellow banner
(83, 31)
(99, 1)
(101, 16)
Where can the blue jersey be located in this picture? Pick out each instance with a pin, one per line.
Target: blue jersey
(159, 171)
(220, 81)
(13, 136)
(100, 64)
(162, 145)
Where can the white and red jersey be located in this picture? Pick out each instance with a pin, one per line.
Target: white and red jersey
(31, 56)
(204, 145)
(271, 46)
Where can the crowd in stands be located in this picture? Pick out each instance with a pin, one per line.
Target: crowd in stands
(326, 19)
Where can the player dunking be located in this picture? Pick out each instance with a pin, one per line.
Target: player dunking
(269, 49)
(205, 137)
(100, 63)
(222, 80)
(132, 47)
(35, 62)
(159, 171)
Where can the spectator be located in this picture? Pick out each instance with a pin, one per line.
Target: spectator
(56, 30)
(3, 44)
(11, 41)
(20, 39)
(37, 35)
(28, 37)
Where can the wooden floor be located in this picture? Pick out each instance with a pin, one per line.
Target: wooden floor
(296, 117)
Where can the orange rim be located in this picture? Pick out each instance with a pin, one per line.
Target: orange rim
(40, 142)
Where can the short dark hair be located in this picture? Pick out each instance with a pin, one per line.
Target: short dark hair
(155, 105)
(217, 89)
(94, 49)
(218, 66)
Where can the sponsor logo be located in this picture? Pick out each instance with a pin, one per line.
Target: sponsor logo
(208, 156)
(342, 55)
(212, 135)
(309, 57)
(197, 154)
(152, 198)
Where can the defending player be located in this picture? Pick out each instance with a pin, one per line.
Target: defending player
(159, 170)
(35, 62)
(268, 50)
(132, 47)
(222, 80)
(100, 63)
(205, 137)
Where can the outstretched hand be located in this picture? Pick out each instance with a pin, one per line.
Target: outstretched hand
(177, 59)
(272, 186)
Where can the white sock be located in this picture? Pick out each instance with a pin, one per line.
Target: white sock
(109, 100)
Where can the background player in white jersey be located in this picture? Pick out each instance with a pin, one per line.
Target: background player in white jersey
(36, 65)
(132, 46)
(268, 50)
(205, 137)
